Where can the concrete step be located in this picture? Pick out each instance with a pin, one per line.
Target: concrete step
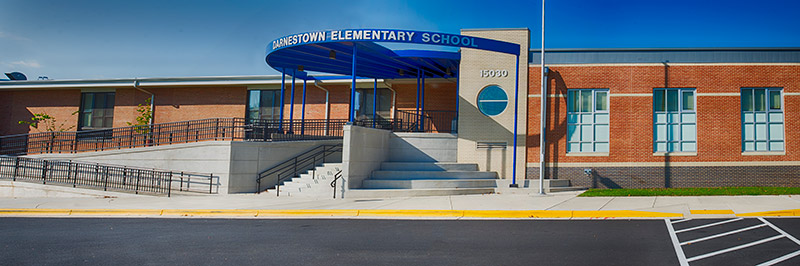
(394, 193)
(428, 183)
(427, 166)
(432, 175)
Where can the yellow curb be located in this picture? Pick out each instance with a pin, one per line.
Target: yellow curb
(795, 212)
(251, 213)
(329, 213)
(410, 213)
(622, 214)
(518, 214)
(4, 212)
(711, 211)
(115, 212)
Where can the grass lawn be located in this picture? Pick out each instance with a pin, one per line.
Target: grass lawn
(703, 191)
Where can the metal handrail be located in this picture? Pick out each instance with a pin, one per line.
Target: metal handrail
(336, 177)
(296, 165)
(106, 176)
(171, 133)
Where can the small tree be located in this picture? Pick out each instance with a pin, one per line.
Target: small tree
(145, 115)
(43, 122)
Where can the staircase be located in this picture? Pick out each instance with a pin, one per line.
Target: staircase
(315, 183)
(409, 179)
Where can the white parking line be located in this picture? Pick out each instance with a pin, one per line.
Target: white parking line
(678, 250)
(762, 241)
(782, 258)
(681, 220)
(685, 261)
(708, 225)
(723, 234)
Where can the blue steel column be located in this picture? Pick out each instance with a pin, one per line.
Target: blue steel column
(291, 103)
(303, 109)
(374, 102)
(458, 100)
(416, 113)
(422, 105)
(353, 87)
(516, 116)
(283, 88)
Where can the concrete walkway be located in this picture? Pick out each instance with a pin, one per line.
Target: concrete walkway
(519, 205)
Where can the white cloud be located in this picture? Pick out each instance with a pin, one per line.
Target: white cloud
(23, 63)
(5, 35)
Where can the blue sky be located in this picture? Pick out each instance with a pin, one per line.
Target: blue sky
(125, 39)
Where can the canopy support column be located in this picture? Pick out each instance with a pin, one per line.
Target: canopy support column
(283, 88)
(353, 87)
(303, 110)
(291, 103)
(416, 113)
(516, 121)
(458, 100)
(422, 105)
(374, 102)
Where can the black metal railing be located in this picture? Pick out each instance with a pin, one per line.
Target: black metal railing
(105, 176)
(171, 133)
(428, 121)
(297, 165)
(336, 177)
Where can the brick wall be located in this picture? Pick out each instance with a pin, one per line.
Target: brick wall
(631, 126)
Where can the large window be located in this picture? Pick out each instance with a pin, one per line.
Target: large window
(762, 119)
(97, 110)
(263, 104)
(587, 120)
(365, 99)
(674, 120)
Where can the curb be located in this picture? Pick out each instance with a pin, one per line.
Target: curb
(341, 213)
(349, 213)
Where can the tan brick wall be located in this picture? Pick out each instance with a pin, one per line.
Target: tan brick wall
(475, 127)
(631, 125)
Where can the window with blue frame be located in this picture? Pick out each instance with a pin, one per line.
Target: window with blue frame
(587, 120)
(674, 120)
(762, 119)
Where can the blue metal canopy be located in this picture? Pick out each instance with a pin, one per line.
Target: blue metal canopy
(373, 60)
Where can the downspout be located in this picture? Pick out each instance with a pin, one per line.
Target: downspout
(152, 99)
(327, 103)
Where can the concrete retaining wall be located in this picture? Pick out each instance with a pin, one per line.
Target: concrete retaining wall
(423, 147)
(364, 151)
(236, 163)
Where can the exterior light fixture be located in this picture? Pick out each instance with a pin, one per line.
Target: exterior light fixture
(332, 54)
(400, 72)
(299, 68)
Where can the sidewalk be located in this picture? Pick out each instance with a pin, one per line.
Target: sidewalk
(561, 205)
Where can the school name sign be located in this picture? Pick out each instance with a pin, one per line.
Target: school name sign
(402, 36)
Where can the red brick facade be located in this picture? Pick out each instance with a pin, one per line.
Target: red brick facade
(631, 111)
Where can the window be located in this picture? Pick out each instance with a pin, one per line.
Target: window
(762, 119)
(364, 103)
(674, 120)
(97, 110)
(587, 120)
(263, 104)
(492, 100)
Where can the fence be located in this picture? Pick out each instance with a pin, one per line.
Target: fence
(171, 133)
(427, 121)
(107, 177)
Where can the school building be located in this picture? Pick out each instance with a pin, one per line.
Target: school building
(615, 118)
